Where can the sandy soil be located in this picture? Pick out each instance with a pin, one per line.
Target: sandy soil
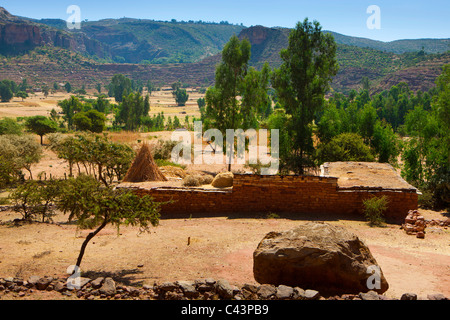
(220, 247)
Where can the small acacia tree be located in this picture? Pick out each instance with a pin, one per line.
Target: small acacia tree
(93, 205)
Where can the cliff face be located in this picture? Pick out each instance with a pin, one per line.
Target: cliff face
(18, 36)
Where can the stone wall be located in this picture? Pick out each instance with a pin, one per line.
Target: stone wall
(280, 194)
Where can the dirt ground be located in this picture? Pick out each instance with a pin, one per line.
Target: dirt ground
(220, 247)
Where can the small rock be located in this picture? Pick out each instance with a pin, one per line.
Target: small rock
(250, 287)
(167, 286)
(420, 235)
(436, 296)
(266, 291)
(371, 295)
(33, 280)
(284, 292)
(224, 289)
(312, 294)
(97, 283)
(21, 294)
(43, 283)
(109, 287)
(188, 288)
(299, 293)
(409, 296)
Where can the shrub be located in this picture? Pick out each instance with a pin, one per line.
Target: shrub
(374, 208)
(197, 180)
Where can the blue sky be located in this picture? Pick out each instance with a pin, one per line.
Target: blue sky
(400, 19)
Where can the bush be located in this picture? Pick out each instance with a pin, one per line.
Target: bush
(374, 208)
(163, 149)
(345, 147)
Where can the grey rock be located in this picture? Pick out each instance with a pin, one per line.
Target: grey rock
(167, 286)
(266, 291)
(250, 287)
(43, 283)
(370, 295)
(409, 296)
(188, 288)
(33, 280)
(299, 294)
(224, 289)
(312, 294)
(436, 296)
(59, 286)
(97, 283)
(109, 287)
(284, 292)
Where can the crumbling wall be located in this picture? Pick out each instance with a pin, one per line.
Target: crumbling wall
(281, 194)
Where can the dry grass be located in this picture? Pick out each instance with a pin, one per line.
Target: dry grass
(144, 167)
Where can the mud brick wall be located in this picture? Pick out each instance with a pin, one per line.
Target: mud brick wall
(281, 194)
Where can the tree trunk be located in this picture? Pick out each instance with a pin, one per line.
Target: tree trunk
(86, 241)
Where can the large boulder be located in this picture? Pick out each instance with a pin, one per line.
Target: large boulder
(223, 180)
(318, 256)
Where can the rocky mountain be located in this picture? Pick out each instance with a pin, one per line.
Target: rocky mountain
(18, 35)
(168, 51)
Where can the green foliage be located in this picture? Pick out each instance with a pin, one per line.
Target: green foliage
(181, 96)
(308, 65)
(100, 157)
(9, 172)
(69, 108)
(374, 208)
(19, 152)
(41, 126)
(22, 94)
(10, 126)
(94, 206)
(68, 87)
(427, 155)
(223, 108)
(91, 120)
(163, 149)
(6, 91)
(132, 109)
(119, 87)
(345, 147)
(35, 198)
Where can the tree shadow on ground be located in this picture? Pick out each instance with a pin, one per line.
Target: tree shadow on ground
(125, 277)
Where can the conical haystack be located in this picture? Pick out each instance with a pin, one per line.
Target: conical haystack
(144, 167)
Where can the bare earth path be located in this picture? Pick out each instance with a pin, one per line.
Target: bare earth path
(220, 247)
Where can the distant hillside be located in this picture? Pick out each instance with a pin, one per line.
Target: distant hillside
(156, 42)
(165, 52)
(397, 46)
(355, 62)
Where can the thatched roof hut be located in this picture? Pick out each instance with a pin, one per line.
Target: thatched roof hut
(144, 167)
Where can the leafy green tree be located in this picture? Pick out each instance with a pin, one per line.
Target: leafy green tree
(131, 110)
(6, 94)
(41, 126)
(34, 198)
(309, 63)
(10, 126)
(68, 87)
(22, 151)
(345, 147)
(223, 107)
(22, 94)
(91, 120)
(255, 97)
(95, 206)
(181, 96)
(69, 108)
(119, 87)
